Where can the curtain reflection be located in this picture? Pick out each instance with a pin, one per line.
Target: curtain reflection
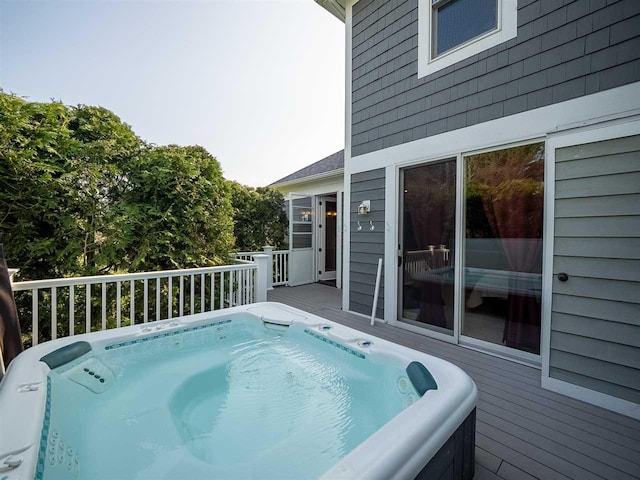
(503, 248)
(428, 238)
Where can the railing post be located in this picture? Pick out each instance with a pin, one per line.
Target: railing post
(268, 250)
(262, 273)
(12, 272)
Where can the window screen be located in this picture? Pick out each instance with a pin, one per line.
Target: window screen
(302, 223)
(458, 21)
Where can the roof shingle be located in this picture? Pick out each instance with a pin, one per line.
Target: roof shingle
(328, 164)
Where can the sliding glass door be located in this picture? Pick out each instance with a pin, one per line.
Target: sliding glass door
(504, 200)
(428, 207)
(499, 268)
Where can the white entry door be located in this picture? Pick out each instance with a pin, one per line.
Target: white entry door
(301, 239)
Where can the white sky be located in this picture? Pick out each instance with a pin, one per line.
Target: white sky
(260, 84)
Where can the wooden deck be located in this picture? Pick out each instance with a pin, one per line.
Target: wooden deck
(522, 431)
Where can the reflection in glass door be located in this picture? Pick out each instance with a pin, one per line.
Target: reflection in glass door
(428, 206)
(504, 197)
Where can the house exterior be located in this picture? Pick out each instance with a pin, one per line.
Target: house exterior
(313, 199)
(494, 148)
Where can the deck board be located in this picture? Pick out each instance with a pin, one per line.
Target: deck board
(523, 431)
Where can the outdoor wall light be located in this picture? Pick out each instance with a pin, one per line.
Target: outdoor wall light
(364, 207)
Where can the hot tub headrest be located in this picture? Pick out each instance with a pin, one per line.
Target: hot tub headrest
(421, 378)
(66, 354)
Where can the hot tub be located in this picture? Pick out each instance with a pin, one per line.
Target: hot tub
(259, 391)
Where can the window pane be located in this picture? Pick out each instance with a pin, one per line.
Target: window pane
(301, 240)
(503, 246)
(302, 223)
(299, 227)
(461, 20)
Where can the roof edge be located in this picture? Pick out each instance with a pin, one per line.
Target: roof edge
(334, 7)
(312, 178)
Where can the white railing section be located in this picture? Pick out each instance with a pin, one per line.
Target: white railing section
(279, 264)
(418, 261)
(69, 306)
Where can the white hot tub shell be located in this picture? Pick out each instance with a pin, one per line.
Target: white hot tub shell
(433, 437)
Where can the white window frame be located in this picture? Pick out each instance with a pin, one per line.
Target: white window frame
(507, 27)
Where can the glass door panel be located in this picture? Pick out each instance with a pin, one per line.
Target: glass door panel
(428, 208)
(504, 197)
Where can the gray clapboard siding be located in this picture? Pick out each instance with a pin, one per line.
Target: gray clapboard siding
(597, 308)
(366, 246)
(614, 332)
(605, 165)
(611, 268)
(614, 226)
(595, 321)
(563, 50)
(598, 206)
(597, 247)
(603, 371)
(618, 184)
(598, 349)
(587, 381)
(617, 290)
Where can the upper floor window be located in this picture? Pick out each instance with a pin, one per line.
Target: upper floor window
(451, 30)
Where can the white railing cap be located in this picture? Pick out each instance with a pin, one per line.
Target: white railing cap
(123, 277)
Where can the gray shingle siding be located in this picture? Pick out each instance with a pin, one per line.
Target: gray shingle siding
(562, 50)
(366, 246)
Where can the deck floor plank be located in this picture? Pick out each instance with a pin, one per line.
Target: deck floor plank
(523, 431)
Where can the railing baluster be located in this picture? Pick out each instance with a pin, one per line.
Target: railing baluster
(203, 292)
(72, 310)
(170, 299)
(34, 316)
(158, 298)
(212, 305)
(246, 286)
(87, 312)
(231, 292)
(145, 300)
(118, 304)
(221, 299)
(54, 313)
(132, 303)
(191, 291)
(181, 295)
(104, 305)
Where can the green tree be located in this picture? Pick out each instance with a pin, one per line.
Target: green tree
(35, 220)
(178, 210)
(259, 217)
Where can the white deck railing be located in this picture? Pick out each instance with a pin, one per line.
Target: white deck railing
(68, 306)
(279, 264)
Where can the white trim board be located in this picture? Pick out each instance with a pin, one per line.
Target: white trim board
(346, 220)
(522, 126)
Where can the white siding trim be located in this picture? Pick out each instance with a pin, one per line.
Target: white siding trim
(391, 179)
(347, 155)
(613, 129)
(532, 124)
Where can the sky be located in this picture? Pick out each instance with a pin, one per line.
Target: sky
(259, 84)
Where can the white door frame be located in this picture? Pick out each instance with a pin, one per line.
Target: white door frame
(321, 250)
